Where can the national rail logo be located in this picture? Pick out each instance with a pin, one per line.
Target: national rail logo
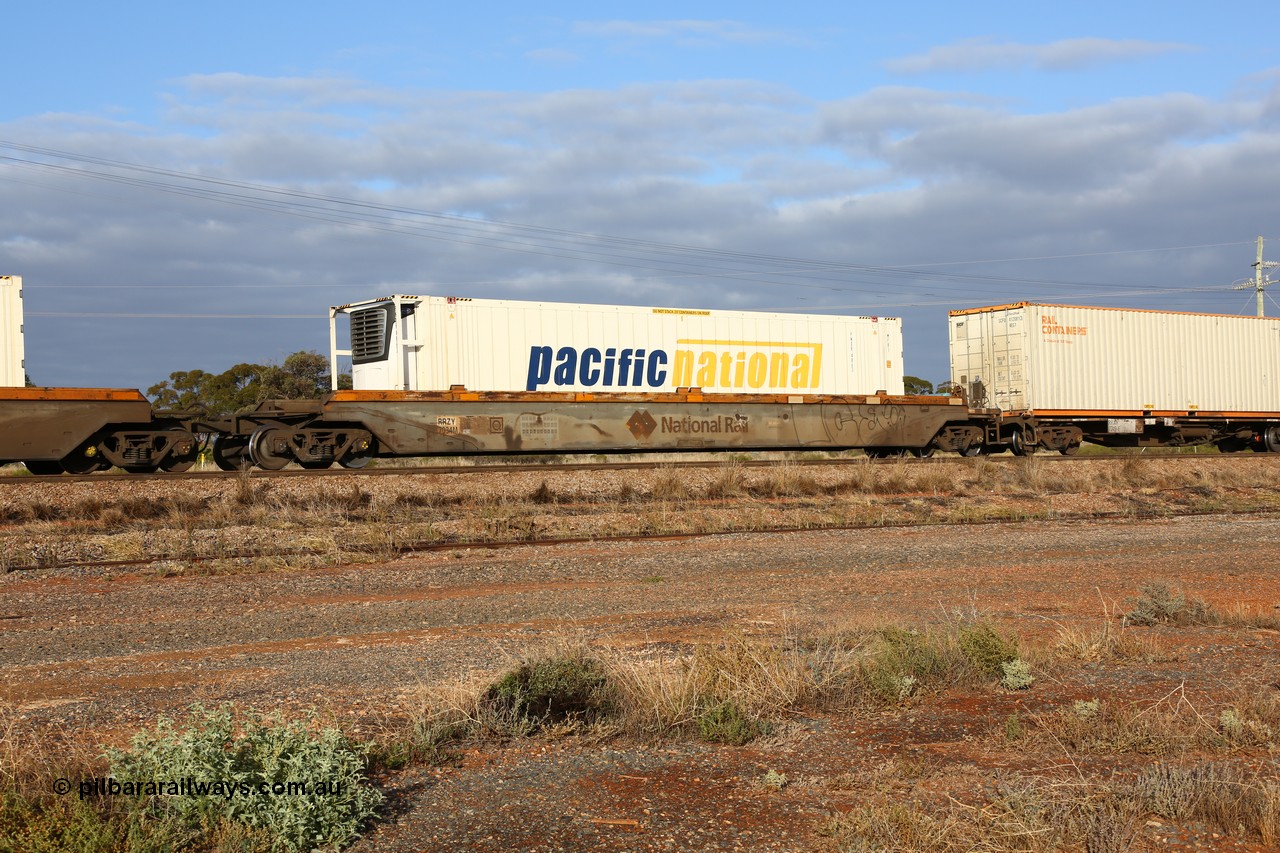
(712, 365)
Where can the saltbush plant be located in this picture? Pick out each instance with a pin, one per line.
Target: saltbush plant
(301, 784)
(1157, 604)
(1017, 675)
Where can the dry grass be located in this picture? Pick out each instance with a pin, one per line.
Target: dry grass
(733, 689)
(32, 816)
(353, 517)
(1171, 725)
(1038, 813)
(1105, 640)
(1021, 814)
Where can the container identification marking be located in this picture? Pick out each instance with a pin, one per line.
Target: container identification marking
(1049, 325)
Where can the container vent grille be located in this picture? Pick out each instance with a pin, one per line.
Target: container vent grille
(369, 334)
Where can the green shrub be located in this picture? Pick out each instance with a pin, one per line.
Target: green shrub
(726, 723)
(903, 661)
(240, 768)
(986, 649)
(74, 825)
(553, 689)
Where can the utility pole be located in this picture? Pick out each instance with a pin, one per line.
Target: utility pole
(1260, 278)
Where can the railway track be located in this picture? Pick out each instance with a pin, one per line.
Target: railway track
(18, 478)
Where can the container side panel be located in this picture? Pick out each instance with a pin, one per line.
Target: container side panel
(1093, 359)
(500, 345)
(12, 354)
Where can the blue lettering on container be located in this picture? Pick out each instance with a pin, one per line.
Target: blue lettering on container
(636, 368)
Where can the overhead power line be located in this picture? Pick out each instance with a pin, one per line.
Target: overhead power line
(666, 261)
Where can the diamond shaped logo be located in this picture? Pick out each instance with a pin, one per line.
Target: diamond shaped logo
(642, 424)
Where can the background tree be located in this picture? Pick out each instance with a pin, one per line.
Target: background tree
(303, 376)
(916, 385)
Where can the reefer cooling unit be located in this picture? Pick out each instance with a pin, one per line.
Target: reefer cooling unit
(1063, 360)
(432, 343)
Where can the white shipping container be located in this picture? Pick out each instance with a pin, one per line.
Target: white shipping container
(430, 343)
(1069, 359)
(12, 365)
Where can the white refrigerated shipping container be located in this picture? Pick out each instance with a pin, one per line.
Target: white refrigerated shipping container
(1069, 359)
(12, 369)
(431, 343)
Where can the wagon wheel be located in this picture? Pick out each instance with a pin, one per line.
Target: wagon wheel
(262, 453)
(923, 452)
(85, 459)
(1069, 450)
(231, 452)
(357, 456)
(44, 467)
(175, 463)
(972, 450)
(1019, 445)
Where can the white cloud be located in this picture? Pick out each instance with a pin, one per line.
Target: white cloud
(1064, 55)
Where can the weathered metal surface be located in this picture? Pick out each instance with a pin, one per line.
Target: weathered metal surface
(48, 424)
(427, 424)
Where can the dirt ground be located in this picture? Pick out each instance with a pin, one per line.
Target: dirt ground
(99, 653)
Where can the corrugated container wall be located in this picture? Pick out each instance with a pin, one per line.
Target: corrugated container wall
(1068, 358)
(12, 368)
(500, 345)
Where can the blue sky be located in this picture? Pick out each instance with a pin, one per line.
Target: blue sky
(803, 157)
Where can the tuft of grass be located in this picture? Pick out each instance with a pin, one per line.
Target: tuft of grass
(1103, 642)
(1236, 800)
(729, 482)
(668, 486)
(892, 664)
(1170, 726)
